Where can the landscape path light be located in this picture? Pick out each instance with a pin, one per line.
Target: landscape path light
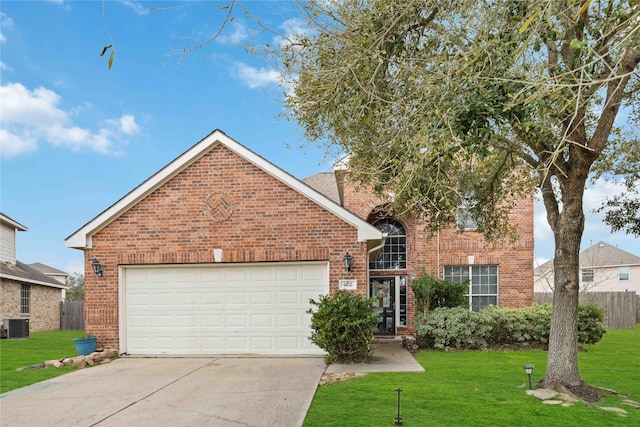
(528, 369)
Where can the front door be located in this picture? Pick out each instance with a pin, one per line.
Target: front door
(384, 289)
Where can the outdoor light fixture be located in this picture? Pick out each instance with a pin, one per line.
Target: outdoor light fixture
(398, 418)
(97, 267)
(528, 369)
(346, 260)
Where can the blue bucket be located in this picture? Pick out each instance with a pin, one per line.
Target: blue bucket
(85, 346)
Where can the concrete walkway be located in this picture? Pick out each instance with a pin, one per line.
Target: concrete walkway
(388, 356)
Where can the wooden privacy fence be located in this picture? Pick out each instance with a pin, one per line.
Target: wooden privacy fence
(621, 309)
(72, 315)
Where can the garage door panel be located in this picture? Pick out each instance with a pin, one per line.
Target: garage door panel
(261, 298)
(228, 309)
(236, 298)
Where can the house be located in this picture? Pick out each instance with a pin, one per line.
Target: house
(603, 268)
(26, 292)
(221, 250)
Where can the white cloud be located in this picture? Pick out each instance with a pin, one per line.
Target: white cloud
(4, 67)
(136, 6)
(33, 116)
(6, 23)
(12, 145)
(235, 37)
(125, 124)
(256, 77)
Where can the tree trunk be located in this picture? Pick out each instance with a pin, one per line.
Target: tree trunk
(562, 368)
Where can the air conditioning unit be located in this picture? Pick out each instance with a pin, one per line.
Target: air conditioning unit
(16, 328)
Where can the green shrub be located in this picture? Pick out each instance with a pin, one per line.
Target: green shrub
(432, 293)
(591, 325)
(343, 326)
(527, 325)
(457, 328)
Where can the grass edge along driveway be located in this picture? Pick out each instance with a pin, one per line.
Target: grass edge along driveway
(40, 346)
(483, 388)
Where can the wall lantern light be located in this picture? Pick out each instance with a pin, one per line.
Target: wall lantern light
(528, 369)
(346, 260)
(97, 267)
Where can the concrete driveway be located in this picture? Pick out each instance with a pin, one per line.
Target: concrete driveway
(207, 391)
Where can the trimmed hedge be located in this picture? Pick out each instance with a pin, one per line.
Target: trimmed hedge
(342, 325)
(460, 328)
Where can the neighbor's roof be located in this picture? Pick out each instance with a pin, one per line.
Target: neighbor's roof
(47, 269)
(4, 218)
(81, 238)
(27, 274)
(599, 255)
(325, 183)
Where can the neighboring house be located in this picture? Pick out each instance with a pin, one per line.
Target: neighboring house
(54, 273)
(603, 268)
(220, 251)
(25, 291)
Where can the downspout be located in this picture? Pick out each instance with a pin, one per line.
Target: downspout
(438, 255)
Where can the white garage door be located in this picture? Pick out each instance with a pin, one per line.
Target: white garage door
(220, 309)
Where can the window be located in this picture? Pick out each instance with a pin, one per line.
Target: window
(465, 221)
(623, 273)
(587, 274)
(483, 283)
(25, 298)
(394, 253)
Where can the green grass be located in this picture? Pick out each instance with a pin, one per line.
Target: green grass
(40, 346)
(483, 388)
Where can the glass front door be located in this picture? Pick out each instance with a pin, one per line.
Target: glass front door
(384, 289)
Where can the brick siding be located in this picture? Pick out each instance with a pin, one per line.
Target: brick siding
(44, 305)
(269, 222)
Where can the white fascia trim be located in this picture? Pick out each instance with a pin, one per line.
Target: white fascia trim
(31, 281)
(81, 239)
(15, 224)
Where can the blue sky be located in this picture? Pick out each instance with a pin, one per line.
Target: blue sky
(75, 137)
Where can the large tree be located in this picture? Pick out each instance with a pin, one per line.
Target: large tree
(448, 102)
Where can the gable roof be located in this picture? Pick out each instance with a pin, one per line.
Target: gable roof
(25, 273)
(48, 270)
(81, 238)
(12, 222)
(599, 255)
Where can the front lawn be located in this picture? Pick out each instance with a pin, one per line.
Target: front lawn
(40, 346)
(483, 388)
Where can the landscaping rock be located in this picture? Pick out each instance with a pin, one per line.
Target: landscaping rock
(568, 398)
(618, 411)
(545, 394)
(632, 403)
(553, 402)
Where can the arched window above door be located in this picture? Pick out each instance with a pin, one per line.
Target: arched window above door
(394, 253)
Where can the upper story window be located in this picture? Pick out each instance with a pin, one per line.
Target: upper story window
(623, 273)
(25, 298)
(465, 221)
(394, 253)
(587, 274)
